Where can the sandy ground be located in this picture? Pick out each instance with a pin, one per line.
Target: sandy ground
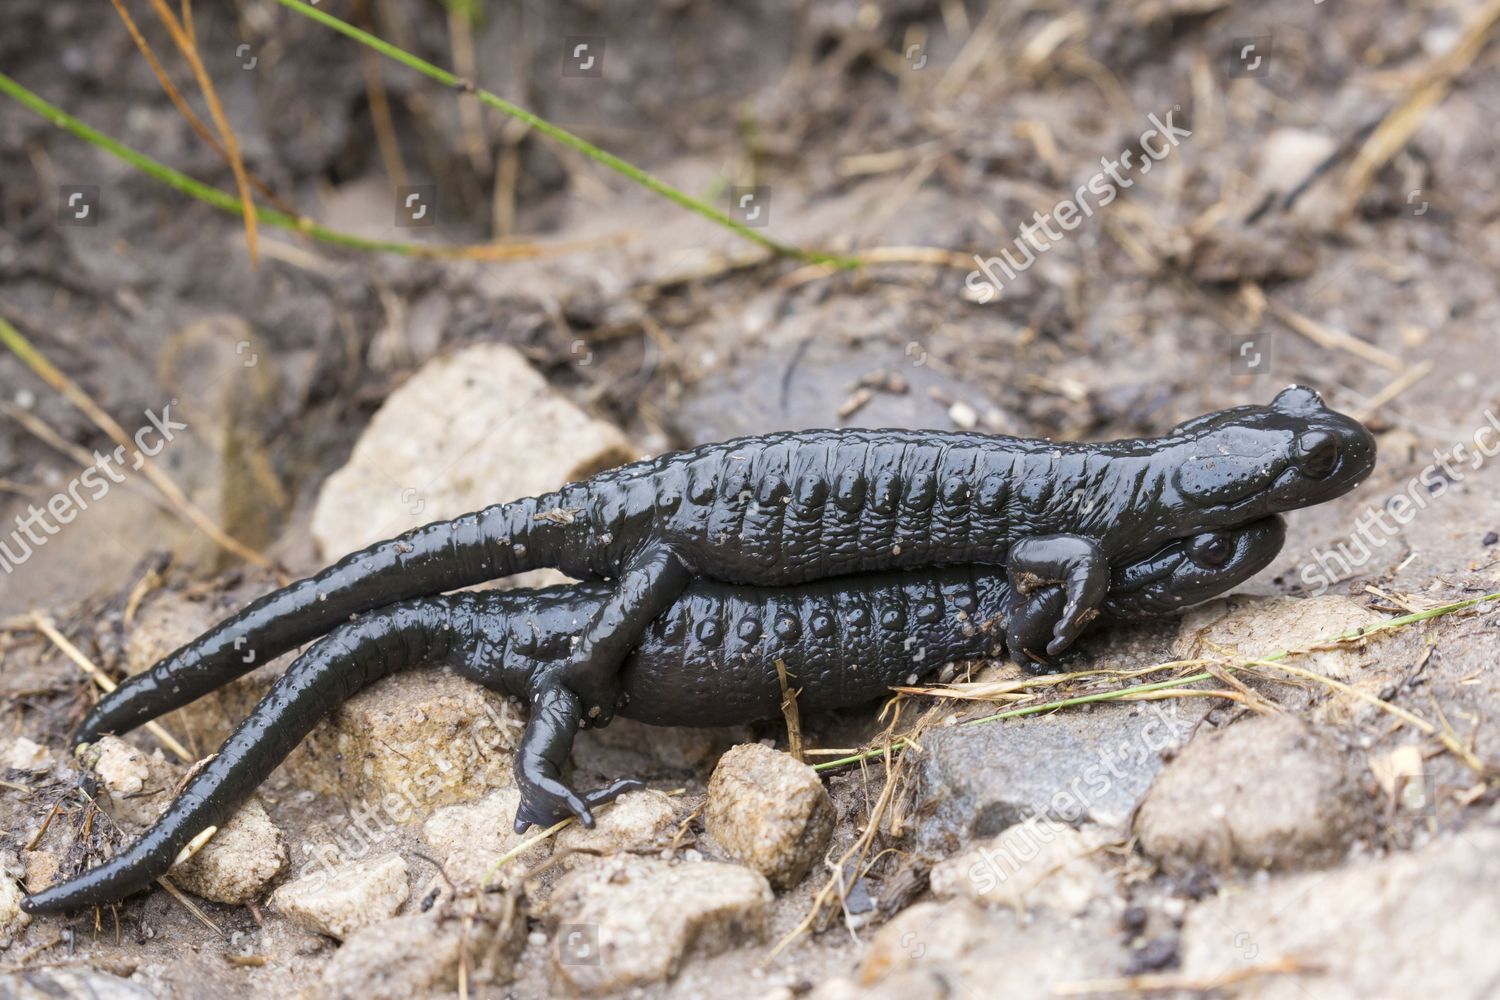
(1320, 216)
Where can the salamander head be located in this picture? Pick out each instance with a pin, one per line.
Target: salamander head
(1193, 569)
(1250, 461)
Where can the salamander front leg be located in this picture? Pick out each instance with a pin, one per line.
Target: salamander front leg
(650, 583)
(545, 746)
(1073, 562)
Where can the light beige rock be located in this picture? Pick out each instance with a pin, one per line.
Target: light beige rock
(1267, 792)
(136, 783)
(12, 920)
(770, 812)
(237, 864)
(469, 429)
(43, 983)
(633, 821)
(960, 949)
(25, 755)
(341, 901)
(634, 920)
(1255, 626)
(419, 955)
(925, 933)
(1414, 924)
(429, 737)
(43, 868)
(1035, 863)
(470, 839)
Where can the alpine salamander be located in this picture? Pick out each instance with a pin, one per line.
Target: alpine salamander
(788, 508)
(710, 659)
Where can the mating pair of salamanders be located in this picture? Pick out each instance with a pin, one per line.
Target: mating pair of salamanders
(858, 558)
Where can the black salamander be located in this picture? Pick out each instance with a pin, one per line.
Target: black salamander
(785, 509)
(710, 659)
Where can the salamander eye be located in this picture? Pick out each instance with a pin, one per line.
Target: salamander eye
(1211, 550)
(1316, 454)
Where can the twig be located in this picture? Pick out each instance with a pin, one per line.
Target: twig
(226, 202)
(1172, 982)
(566, 138)
(1394, 388)
(789, 712)
(519, 849)
(1329, 338)
(1398, 126)
(189, 49)
(184, 109)
(44, 625)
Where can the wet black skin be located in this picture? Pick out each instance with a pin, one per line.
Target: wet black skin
(784, 509)
(710, 659)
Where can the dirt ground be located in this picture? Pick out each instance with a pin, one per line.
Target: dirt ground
(1325, 214)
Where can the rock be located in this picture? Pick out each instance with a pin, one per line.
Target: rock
(634, 820)
(43, 868)
(469, 429)
(237, 864)
(470, 839)
(911, 984)
(1418, 923)
(770, 812)
(1289, 156)
(1268, 792)
(428, 737)
(1092, 765)
(342, 901)
(419, 955)
(1036, 863)
(49, 984)
(12, 920)
(1252, 627)
(138, 784)
(978, 952)
(25, 755)
(634, 920)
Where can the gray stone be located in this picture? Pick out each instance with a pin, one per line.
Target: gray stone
(1417, 924)
(1084, 765)
(1267, 792)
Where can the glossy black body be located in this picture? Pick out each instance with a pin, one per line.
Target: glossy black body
(784, 509)
(710, 659)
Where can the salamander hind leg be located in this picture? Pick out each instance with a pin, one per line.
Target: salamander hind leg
(1073, 562)
(651, 582)
(545, 746)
